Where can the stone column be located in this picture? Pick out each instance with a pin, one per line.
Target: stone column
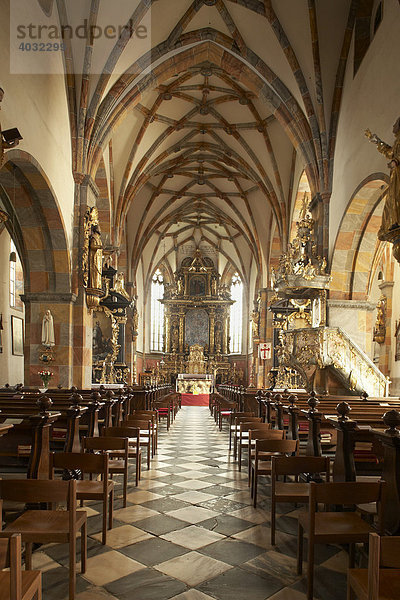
(265, 335)
(86, 196)
(62, 307)
(319, 208)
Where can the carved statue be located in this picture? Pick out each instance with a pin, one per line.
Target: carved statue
(175, 338)
(179, 284)
(48, 330)
(380, 323)
(95, 258)
(218, 337)
(119, 285)
(135, 320)
(214, 285)
(255, 315)
(391, 211)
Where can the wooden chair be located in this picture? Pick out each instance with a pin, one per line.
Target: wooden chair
(261, 465)
(164, 409)
(16, 584)
(118, 452)
(45, 526)
(244, 434)
(224, 408)
(266, 433)
(88, 464)
(336, 527)
(236, 433)
(133, 436)
(146, 434)
(381, 581)
(293, 492)
(148, 414)
(233, 426)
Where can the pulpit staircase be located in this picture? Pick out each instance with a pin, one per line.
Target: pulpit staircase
(312, 350)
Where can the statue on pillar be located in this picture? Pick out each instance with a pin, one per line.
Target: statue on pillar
(391, 211)
(92, 259)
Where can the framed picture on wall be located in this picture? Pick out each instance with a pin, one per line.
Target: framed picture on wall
(17, 335)
(397, 336)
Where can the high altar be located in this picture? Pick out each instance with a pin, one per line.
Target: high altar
(196, 320)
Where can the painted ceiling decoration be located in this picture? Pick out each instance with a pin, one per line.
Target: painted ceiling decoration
(204, 137)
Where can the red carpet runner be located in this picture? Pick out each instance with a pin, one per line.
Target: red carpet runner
(194, 399)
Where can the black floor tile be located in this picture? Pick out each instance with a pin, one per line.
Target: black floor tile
(151, 552)
(240, 585)
(233, 552)
(147, 584)
(167, 504)
(160, 524)
(226, 524)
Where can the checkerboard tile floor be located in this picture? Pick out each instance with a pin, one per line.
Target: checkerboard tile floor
(189, 532)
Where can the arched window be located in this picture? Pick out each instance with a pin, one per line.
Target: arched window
(236, 315)
(13, 275)
(157, 312)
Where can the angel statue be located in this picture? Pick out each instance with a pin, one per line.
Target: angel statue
(391, 211)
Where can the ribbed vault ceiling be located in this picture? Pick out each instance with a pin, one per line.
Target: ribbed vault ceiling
(208, 145)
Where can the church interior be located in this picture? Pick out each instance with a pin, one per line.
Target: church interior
(200, 232)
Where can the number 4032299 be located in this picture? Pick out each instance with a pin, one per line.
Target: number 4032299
(41, 47)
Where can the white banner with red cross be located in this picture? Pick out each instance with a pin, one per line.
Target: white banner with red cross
(265, 351)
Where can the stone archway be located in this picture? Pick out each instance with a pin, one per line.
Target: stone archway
(356, 240)
(36, 226)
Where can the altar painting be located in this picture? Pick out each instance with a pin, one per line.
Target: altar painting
(196, 327)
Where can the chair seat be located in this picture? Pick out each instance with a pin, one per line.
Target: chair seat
(29, 584)
(88, 490)
(389, 583)
(337, 527)
(117, 464)
(42, 525)
(291, 492)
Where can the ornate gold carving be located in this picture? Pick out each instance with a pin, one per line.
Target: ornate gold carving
(119, 286)
(330, 347)
(301, 258)
(391, 211)
(92, 259)
(379, 334)
(109, 373)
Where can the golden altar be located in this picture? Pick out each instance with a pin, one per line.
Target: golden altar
(191, 383)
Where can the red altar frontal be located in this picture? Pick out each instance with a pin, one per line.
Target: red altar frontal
(194, 400)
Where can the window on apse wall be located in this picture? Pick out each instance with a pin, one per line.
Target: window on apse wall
(157, 312)
(236, 315)
(13, 275)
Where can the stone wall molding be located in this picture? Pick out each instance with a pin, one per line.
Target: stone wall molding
(53, 298)
(352, 304)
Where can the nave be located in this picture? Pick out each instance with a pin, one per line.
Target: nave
(189, 532)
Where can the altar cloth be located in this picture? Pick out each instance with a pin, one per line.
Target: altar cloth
(195, 399)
